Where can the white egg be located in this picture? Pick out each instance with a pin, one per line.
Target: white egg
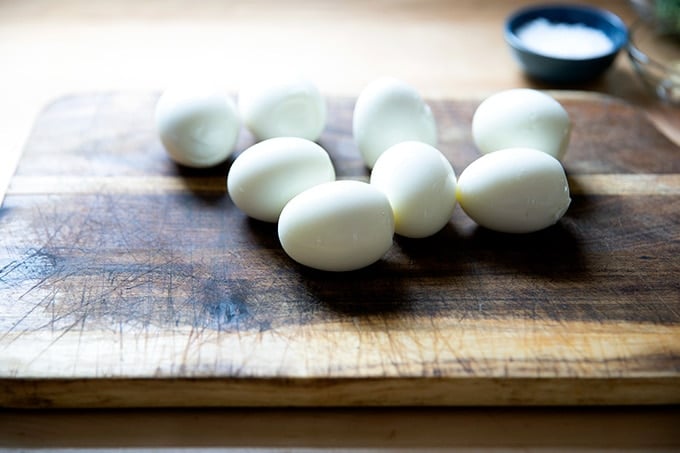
(289, 106)
(338, 226)
(516, 190)
(264, 177)
(421, 186)
(198, 126)
(519, 118)
(389, 111)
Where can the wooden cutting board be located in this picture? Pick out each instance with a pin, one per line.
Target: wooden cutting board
(126, 280)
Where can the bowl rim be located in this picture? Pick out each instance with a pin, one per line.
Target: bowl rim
(636, 54)
(511, 25)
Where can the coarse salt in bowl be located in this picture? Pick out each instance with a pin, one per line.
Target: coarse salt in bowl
(565, 43)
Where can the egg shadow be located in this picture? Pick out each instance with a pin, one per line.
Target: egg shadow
(375, 289)
(210, 183)
(265, 234)
(207, 184)
(378, 289)
(553, 253)
(440, 255)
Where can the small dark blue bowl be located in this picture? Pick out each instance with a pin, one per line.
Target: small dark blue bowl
(563, 70)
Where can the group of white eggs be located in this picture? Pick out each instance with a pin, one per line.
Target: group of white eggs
(518, 185)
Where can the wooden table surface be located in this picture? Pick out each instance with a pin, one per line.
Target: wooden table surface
(448, 49)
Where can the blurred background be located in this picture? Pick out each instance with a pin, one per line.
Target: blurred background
(445, 48)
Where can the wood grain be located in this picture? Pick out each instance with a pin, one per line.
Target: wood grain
(461, 430)
(126, 280)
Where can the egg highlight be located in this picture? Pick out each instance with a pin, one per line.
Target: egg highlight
(420, 185)
(198, 127)
(389, 111)
(264, 177)
(521, 117)
(289, 106)
(338, 226)
(516, 190)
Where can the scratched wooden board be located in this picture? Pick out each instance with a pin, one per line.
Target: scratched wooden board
(126, 280)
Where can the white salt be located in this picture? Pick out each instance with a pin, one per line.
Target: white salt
(564, 40)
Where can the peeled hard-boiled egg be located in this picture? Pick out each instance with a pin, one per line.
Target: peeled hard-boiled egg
(264, 177)
(421, 186)
(389, 111)
(197, 126)
(337, 226)
(516, 190)
(290, 106)
(521, 117)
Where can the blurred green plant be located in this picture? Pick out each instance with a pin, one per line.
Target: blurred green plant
(667, 13)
